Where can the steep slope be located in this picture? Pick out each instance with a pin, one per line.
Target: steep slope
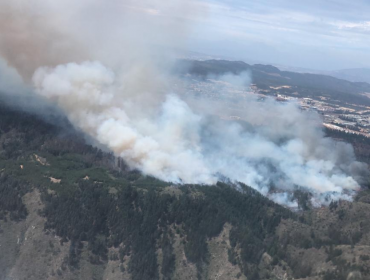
(71, 211)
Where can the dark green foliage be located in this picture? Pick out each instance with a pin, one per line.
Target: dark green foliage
(24, 131)
(364, 258)
(136, 216)
(356, 237)
(343, 268)
(341, 214)
(232, 256)
(73, 214)
(74, 253)
(137, 219)
(360, 143)
(333, 253)
(11, 192)
(333, 205)
(168, 260)
(93, 212)
(252, 273)
(121, 208)
(348, 137)
(303, 199)
(337, 236)
(300, 268)
(149, 181)
(330, 275)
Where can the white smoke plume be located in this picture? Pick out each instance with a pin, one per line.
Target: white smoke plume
(114, 84)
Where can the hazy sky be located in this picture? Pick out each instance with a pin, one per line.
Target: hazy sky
(317, 34)
(314, 34)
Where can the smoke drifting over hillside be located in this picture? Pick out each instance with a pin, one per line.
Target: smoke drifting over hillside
(108, 64)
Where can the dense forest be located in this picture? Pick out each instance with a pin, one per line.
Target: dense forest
(360, 143)
(102, 207)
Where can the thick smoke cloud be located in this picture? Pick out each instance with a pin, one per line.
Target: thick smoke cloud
(107, 66)
(276, 146)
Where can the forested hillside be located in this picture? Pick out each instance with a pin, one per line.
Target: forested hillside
(69, 210)
(266, 76)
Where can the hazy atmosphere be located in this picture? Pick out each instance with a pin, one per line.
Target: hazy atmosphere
(184, 139)
(323, 35)
(114, 81)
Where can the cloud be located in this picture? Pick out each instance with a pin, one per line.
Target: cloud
(332, 34)
(353, 26)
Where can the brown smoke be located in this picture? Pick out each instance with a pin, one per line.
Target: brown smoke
(30, 37)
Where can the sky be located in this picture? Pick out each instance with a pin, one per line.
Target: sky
(312, 34)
